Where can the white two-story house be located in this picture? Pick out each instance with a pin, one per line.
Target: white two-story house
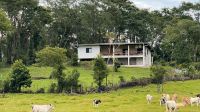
(128, 54)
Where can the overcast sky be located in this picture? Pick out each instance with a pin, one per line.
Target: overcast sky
(159, 4)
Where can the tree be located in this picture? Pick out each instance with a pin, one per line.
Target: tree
(51, 56)
(55, 57)
(5, 24)
(100, 71)
(158, 74)
(60, 76)
(20, 76)
(29, 22)
(72, 81)
(182, 41)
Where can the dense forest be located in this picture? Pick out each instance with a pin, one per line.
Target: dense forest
(27, 26)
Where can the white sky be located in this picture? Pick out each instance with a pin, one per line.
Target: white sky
(159, 4)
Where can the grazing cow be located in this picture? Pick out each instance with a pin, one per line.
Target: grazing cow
(42, 108)
(179, 105)
(166, 96)
(195, 100)
(198, 95)
(174, 97)
(96, 102)
(171, 106)
(149, 98)
(162, 100)
(186, 100)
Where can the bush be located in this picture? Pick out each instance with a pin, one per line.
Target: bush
(72, 81)
(136, 82)
(41, 90)
(122, 79)
(51, 56)
(86, 64)
(116, 66)
(20, 76)
(6, 86)
(74, 60)
(52, 88)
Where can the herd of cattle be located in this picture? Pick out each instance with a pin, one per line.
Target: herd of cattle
(171, 104)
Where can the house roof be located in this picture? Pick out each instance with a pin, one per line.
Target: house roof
(102, 44)
(99, 44)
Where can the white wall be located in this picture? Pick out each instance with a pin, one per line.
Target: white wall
(148, 57)
(83, 55)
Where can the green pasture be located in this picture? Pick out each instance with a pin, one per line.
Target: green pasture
(123, 100)
(85, 75)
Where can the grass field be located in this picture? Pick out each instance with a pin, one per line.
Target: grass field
(85, 75)
(124, 100)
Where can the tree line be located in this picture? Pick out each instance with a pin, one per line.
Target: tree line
(27, 26)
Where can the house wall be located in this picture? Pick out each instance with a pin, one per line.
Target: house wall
(139, 61)
(83, 55)
(143, 60)
(148, 57)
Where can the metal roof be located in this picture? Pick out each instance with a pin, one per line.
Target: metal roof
(101, 44)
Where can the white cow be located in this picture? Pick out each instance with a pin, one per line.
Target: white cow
(195, 100)
(171, 106)
(149, 98)
(42, 108)
(164, 98)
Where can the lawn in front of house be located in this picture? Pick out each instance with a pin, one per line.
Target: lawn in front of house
(123, 100)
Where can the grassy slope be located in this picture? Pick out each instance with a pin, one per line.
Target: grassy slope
(125, 100)
(85, 75)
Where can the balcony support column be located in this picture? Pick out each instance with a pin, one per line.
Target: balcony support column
(128, 55)
(113, 57)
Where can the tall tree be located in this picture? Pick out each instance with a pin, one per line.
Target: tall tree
(28, 20)
(183, 39)
(100, 71)
(20, 76)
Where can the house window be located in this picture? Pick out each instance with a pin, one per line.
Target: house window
(88, 50)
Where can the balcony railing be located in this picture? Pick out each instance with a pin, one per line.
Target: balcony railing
(123, 54)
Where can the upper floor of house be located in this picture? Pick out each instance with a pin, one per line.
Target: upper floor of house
(117, 50)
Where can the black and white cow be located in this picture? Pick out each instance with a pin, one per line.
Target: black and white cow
(96, 102)
(198, 95)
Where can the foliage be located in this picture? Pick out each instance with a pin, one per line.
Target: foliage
(60, 76)
(41, 90)
(52, 88)
(100, 70)
(5, 24)
(72, 81)
(51, 56)
(74, 59)
(183, 35)
(86, 64)
(121, 79)
(158, 75)
(116, 66)
(20, 76)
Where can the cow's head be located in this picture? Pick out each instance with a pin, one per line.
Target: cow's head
(52, 107)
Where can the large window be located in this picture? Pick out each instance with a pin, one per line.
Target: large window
(88, 50)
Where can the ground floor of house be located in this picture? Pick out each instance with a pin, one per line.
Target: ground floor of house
(127, 61)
